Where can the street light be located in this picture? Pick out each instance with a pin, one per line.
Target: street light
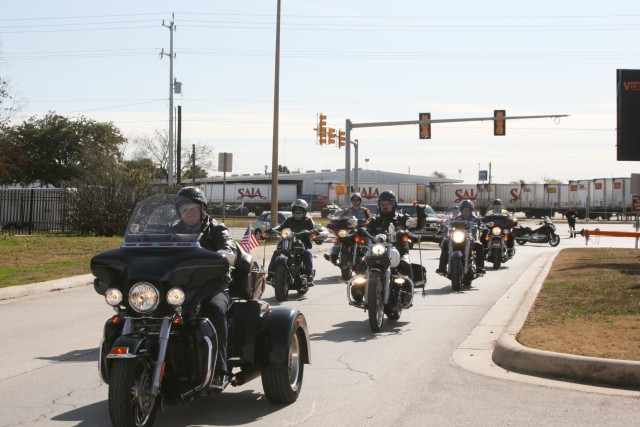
(366, 164)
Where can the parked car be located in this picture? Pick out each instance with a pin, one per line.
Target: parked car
(263, 222)
(433, 223)
(329, 210)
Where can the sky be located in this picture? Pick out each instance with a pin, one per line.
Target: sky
(359, 60)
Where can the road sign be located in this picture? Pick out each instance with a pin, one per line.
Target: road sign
(635, 199)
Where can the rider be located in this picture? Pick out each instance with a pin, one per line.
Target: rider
(297, 222)
(387, 215)
(356, 209)
(497, 209)
(466, 209)
(191, 204)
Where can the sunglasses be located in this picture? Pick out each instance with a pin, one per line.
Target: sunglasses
(188, 208)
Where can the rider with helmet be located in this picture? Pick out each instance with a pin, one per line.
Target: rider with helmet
(497, 209)
(356, 209)
(387, 215)
(191, 205)
(297, 222)
(466, 214)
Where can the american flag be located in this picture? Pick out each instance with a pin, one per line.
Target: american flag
(249, 240)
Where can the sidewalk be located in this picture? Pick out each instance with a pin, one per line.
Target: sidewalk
(494, 342)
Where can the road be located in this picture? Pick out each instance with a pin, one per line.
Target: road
(404, 376)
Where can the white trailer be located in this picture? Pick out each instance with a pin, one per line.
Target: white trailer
(254, 196)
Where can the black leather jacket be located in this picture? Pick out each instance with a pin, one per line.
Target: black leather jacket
(380, 224)
(298, 225)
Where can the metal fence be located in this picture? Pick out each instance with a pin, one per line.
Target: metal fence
(34, 210)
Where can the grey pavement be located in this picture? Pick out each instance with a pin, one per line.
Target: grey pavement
(490, 349)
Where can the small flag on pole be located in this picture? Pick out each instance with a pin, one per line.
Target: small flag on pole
(249, 240)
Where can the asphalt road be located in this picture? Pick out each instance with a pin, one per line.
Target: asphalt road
(406, 375)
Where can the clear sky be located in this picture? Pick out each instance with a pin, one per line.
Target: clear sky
(363, 60)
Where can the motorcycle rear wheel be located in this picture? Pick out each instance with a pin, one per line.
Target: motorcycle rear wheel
(521, 242)
(281, 283)
(554, 240)
(282, 384)
(375, 301)
(131, 403)
(456, 274)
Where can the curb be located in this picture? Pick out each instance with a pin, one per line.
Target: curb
(18, 291)
(509, 354)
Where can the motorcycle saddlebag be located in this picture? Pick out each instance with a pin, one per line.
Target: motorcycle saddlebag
(247, 283)
(419, 275)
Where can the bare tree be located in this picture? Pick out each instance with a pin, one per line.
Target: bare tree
(156, 148)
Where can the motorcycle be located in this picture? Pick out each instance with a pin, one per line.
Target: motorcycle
(289, 266)
(544, 234)
(494, 238)
(461, 267)
(348, 248)
(159, 348)
(382, 289)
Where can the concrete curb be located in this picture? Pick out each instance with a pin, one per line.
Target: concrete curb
(13, 292)
(511, 355)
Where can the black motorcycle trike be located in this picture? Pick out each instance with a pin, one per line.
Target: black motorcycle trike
(158, 347)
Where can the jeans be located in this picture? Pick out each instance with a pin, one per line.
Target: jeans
(216, 310)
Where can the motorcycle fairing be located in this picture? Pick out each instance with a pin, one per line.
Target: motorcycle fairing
(197, 271)
(276, 333)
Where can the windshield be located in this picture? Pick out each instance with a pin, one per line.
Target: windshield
(349, 212)
(152, 221)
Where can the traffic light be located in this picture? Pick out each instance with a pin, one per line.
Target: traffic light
(322, 128)
(341, 139)
(332, 136)
(425, 130)
(499, 125)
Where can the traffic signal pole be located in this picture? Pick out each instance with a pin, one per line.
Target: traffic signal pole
(349, 125)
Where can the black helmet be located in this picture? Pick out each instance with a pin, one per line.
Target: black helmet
(497, 202)
(388, 196)
(299, 208)
(191, 195)
(356, 196)
(466, 204)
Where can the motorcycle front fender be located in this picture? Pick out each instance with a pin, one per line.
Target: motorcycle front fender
(276, 331)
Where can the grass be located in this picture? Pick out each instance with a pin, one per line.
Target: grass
(589, 305)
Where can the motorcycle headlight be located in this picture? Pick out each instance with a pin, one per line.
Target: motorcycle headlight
(286, 233)
(458, 236)
(496, 231)
(342, 233)
(175, 296)
(378, 250)
(394, 257)
(113, 297)
(144, 297)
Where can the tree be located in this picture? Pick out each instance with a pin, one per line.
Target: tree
(156, 148)
(283, 169)
(9, 104)
(439, 174)
(56, 150)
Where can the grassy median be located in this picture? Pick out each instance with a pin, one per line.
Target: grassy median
(589, 303)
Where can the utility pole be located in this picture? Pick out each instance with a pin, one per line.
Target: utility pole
(171, 56)
(274, 153)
